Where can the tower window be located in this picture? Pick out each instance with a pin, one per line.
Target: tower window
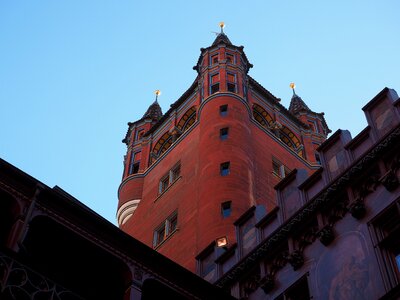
(223, 133)
(165, 229)
(214, 59)
(226, 209)
(224, 169)
(214, 83)
(135, 162)
(139, 134)
(230, 58)
(231, 82)
(223, 110)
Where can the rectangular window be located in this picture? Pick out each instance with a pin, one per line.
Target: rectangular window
(214, 59)
(214, 83)
(299, 291)
(139, 134)
(230, 59)
(386, 228)
(279, 169)
(231, 82)
(223, 110)
(165, 229)
(226, 209)
(224, 168)
(135, 162)
(223, 133)
(169, 178)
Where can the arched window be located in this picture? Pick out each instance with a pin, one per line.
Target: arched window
(290, 139)
(261, 116)
(163, 144)
(187, 119)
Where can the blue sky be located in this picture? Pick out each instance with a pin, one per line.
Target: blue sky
(73, 73)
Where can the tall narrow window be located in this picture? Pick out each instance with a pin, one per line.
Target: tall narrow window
(214, 83)
(230, 59)
(223, 110)
(224, 168)
(387, 231)
(231, 83)
(139, 134)
(135, 162)
(214, 59)
(223, 133)
(226, 209)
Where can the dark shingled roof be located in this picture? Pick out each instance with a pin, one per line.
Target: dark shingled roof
(154, 112)
(297, 104)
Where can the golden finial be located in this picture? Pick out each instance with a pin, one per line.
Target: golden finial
(292, 86)
(158, 93)
(222, 26)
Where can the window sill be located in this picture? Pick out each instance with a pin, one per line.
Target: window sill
(167, 189)
(166, 239)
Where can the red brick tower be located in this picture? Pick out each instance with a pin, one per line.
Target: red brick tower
(218, 151)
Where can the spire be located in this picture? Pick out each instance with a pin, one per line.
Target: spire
(221, 37)
(154, 111)
(297, 104)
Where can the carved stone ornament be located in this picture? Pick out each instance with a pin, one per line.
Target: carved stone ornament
(390, 181)
(296, 259)
(357, 209)
(138, 274)
(326, 235)
(267, 283)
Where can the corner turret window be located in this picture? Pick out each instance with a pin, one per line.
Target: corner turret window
(139, 134)
(214, 87)
(135, 162)
(214, 59)
(231, 83)
(230, 59)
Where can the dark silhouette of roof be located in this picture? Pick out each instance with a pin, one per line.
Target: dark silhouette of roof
(154, 112)
(297, 104)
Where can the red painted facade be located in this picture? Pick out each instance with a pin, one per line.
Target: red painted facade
(173, 163)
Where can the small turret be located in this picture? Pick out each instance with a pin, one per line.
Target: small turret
(154, 111)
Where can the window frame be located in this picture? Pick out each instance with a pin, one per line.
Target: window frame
(279, 169)
(231, 85)
(170, 178)
(387, 247)
(163, 231)
(134, 165)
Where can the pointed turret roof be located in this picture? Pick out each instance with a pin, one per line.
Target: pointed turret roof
(154, 112)
(297, 104)
(221, 38)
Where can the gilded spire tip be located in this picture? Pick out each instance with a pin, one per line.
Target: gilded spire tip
(222, 26)
(293, 86)
(158, 93)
